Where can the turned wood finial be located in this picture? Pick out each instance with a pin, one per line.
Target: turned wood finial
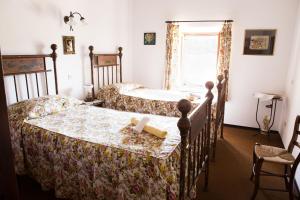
(54, 56)
(91, 54)
(226, 74)
(220, 79)
(120, 51)
(120, 58)
(54, 48)
(184, 106)
(91, 48)
(209, 85)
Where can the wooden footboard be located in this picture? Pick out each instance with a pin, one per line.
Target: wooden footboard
(195, 144)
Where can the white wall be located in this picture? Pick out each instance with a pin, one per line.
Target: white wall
(31, 26)
(292, 105)
(248, 74)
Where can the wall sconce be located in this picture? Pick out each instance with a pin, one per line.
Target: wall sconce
(71, 21)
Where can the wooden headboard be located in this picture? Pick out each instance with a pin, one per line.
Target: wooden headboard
(110, 64)
(24, 65)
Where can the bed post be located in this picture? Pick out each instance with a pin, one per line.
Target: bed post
(54, 57)
(226, 74)
(216, 125)
(91, 48)
(224, 101)
(120, 58)
(209, 85)
(184, 125)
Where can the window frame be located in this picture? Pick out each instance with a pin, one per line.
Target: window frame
(184, 34)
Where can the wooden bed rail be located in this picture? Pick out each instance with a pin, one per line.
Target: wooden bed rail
(195, 143)
(110, 62)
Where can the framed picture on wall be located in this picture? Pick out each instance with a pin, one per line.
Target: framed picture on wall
(149, 38)
(69, 44)
(259, 42)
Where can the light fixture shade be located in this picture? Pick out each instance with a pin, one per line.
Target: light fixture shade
(71, 21)
(83, 21)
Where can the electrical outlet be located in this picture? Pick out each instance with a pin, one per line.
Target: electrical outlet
(69, 77)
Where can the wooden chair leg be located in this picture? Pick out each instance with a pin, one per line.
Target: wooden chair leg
(291, 193)
(286, 178)
(291, 184)
(257, 169)
(253, 164)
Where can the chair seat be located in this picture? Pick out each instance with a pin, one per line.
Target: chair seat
(274, 154)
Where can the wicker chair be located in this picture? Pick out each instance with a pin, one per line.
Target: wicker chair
(264, 153)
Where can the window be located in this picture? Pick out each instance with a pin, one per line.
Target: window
(198, 60)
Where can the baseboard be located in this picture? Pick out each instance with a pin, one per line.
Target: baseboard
(248, 128)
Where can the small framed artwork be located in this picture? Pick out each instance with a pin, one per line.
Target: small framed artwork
(149, 38)
(69, 44)
(259, 42)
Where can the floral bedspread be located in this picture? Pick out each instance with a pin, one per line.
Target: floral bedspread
(124, 97)
(85, 152)
(128, 97)
(32, 108)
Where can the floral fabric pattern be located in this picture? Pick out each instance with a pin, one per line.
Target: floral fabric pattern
(172, 54)
(225, 38)
(113, 99)
(92, 153)
(84, 152)
(51, 105)
(124, 87)
(35, 107)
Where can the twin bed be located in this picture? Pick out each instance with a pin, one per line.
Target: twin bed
(85, 152)
(106, 77)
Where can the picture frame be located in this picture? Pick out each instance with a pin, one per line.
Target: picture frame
(259, 42)
(69, 45)
(150, 38)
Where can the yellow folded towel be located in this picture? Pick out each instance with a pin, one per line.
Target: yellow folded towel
(150, 129)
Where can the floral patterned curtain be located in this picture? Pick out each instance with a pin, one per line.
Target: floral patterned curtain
(172, 55)
(225, 37)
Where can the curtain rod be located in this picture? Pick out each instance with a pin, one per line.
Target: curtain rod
(200, 21)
